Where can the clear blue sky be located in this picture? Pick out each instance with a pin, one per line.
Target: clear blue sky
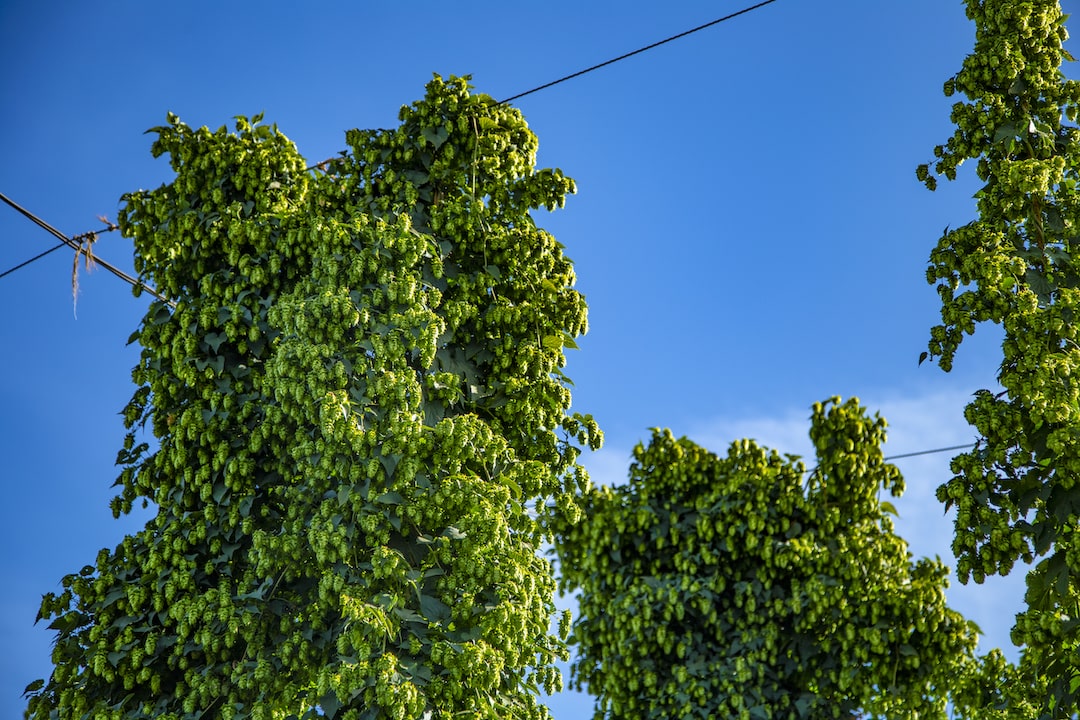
(748, 229)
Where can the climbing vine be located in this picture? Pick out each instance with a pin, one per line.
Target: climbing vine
(739, 587)
(362, 433)
(1017, 493)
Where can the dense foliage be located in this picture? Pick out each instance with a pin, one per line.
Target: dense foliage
(362, 438)
(356, 394)
(731, 587)
(1017, 493)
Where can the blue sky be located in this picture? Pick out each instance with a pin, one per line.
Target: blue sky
(748, 229)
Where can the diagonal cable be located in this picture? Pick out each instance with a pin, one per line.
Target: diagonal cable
(74, 245)
(929, 452)
(323, 165)
(37, 257)
(612, 61)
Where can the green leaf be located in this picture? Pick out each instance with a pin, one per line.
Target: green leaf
(217, 363)
(1006, 131)
(390, 498)
(214, 340)
(226, 554)
(389, 463)
(67, 622)
(453, 533)
(330, 704)
(1044, 536)
(1039, 285)
(122, 622)
(515, 489)
(435, 136)
(258, 593)
(803, 704)
(1055, 224)
(161, 314)
(112, 596)
(434, 411)
(409, 615)
(219, 492)
(419, 673)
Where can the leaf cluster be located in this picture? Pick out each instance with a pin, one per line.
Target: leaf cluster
(356, 394)
(1017, 493)
(730, 587)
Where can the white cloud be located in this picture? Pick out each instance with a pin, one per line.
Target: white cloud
(926, 423)
(609, 465)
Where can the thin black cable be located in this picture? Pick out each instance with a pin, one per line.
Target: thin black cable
(74, 245)
(928, 452)
(21, 265)
(635, 52)
(324, 164)
(86, 235)
(814, 469)
(37, 221)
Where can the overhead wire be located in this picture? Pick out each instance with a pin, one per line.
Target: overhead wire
(37, 257)
(899, 456)
(81, 245)
(77, 238)
(612, 61)
(71, 242)
(927, 452)
(323, 165)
